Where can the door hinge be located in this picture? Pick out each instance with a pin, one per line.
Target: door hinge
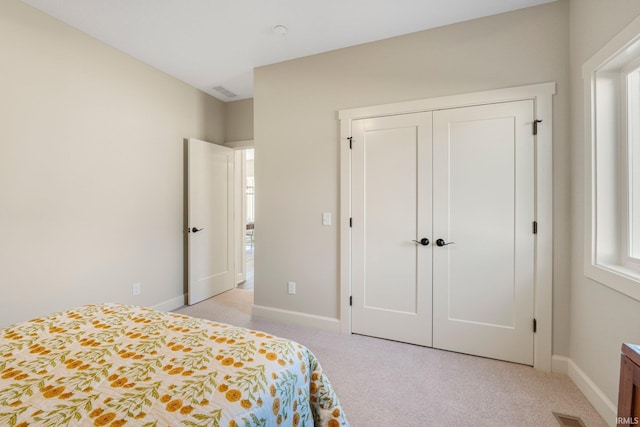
(351, 300)
(535, 325)
(535, 227)
(535, 126)
(350, 222)
(350, 142)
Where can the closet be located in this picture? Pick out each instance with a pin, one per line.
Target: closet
(443, 228)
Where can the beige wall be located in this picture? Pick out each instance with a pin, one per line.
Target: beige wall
(91, 169)
(296, 137)
(238, 120)
(601, 319)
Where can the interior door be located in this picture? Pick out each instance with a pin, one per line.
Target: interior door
(391, 214)
(464, 179)
(210, 179)
(483, 165)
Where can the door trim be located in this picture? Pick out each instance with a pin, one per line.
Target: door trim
(240, 214)
(542, 95)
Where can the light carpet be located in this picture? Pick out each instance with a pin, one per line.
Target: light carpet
(386, 383)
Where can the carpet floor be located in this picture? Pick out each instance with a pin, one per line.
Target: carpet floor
(386, 383)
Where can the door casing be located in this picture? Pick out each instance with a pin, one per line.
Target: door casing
(542, 95)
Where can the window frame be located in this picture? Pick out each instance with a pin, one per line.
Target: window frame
(626, 168)
(607, 257)
(633, 68)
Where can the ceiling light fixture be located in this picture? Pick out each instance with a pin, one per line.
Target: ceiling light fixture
(280, 29)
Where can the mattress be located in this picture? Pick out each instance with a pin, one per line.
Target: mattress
(115, 365)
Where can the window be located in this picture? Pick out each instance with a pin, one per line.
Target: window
(612, 89)
(633, 155)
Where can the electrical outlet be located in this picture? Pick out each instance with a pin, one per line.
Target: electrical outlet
(135, 288)
(291, 288)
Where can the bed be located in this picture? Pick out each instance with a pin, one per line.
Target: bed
(115, 365)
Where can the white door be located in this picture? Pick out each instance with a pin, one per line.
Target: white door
(465, 176)
(391, 209)
(483, 168)
(210, 220)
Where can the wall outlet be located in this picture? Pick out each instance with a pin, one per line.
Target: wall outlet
(291, 288)
(135, 289)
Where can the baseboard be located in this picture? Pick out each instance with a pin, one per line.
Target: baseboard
(171, 304)
(296, 317)
(560, 364)
(240, 278)
(592, 392)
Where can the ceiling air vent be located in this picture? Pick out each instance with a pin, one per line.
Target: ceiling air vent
(223, 91)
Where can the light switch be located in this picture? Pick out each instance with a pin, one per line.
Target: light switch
(326, 218)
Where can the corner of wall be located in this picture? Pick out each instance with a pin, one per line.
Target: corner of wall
(605, 407)
(602, 404)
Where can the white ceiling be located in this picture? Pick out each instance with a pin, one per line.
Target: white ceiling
(209, 43)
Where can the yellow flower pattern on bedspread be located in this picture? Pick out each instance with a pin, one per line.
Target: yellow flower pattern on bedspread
(115, 365)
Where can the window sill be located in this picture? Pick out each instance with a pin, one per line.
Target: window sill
(617, 277)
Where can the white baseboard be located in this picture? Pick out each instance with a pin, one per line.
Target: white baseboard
(605, 407)
(287, 316)
(171, 304)
(560, 364)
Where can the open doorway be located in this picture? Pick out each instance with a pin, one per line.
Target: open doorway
(248, 196)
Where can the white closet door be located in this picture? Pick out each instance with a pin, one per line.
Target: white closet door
(483, 284)
(391, 207)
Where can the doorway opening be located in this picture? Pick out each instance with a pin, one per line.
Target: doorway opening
(248, 195)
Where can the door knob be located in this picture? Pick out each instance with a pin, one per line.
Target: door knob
(195, 230)
(424, 241)
(441, 242)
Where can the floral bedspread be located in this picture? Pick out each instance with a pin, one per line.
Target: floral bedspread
(120, 365)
